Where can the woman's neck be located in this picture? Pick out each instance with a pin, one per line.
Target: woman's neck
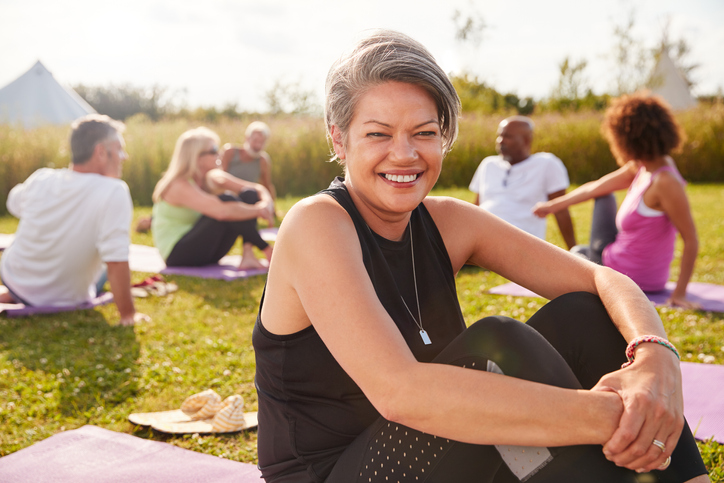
(654, 164)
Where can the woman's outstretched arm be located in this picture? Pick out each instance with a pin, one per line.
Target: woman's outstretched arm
(617, 180)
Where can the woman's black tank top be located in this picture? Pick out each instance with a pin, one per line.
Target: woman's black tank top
(310, 410)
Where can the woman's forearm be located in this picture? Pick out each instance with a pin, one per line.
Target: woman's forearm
(688, 260)
(483, 408)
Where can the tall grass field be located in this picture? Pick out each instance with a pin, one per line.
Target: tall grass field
(299, 149)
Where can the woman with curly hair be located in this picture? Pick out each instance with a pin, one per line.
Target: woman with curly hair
(639, 240)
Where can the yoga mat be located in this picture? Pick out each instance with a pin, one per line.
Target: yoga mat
(143, 258)
(703, 386)
(224, 270)
(708, 295)
(95, 455)
(147, 259)
(22, 310)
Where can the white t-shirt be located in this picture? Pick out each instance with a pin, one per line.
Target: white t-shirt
(510, 191)
(69, 223)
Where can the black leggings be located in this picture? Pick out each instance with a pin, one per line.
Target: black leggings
(603, 229)
(211, 239)
(574, 343)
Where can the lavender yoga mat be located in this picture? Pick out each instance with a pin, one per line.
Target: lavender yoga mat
(708, 295)
(22, 310)
(147, 259)
(95, 455)
(704, 399)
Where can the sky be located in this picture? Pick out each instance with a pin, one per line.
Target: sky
(221, 52)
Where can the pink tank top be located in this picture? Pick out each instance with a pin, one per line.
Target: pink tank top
(644, 246)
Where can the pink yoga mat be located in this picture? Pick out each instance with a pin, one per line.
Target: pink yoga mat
(95, 455)
(22, 310)
(708, 295)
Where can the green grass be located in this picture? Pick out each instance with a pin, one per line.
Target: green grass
(59, 372)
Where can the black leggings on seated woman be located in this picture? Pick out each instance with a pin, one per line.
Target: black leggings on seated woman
(574, 343)
(210, 239)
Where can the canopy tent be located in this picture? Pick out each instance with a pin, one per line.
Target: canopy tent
(670, 84)
(36, 98)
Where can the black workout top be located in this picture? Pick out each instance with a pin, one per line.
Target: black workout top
(310, 410)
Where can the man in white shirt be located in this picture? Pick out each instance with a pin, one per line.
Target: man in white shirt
(72, 222)
(510, 184)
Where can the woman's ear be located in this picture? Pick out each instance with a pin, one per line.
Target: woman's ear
(337, 142)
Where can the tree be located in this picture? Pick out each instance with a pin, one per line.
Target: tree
(469, 27)
(571, 83)
(125, 100)
(291, 98)
(632, 61)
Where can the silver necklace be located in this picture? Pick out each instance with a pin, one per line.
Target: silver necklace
(425, 338)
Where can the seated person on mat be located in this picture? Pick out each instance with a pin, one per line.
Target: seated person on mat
(199, 210)
(510, 184)
(250, 162)
(639, 240)
(365, 369)
(72, 221)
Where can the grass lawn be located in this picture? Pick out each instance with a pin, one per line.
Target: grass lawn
(59, 372)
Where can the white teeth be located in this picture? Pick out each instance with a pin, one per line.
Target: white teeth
(399, 178)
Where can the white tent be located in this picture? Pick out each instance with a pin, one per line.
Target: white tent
(36, 98)
(670, 84)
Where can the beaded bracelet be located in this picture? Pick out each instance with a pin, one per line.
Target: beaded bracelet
(647, 338)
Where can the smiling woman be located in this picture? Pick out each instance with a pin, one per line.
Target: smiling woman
(365, 369)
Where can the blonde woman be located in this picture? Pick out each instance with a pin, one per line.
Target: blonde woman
(199, 210)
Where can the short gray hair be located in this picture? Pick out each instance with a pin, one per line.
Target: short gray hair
(258, 126)
(89, 131)
(384, 56)
(522, 119)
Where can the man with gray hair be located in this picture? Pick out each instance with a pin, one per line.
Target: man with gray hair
(510, 184)
(73, 221)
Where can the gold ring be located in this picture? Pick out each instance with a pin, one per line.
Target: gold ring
(666, 463)
(659, 444)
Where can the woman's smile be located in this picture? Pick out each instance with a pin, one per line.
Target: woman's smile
(392, 152)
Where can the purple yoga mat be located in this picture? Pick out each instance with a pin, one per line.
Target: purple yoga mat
(224, 270)
(143, 258)
(147, 259)
(708, 295)
(95, 455)
(704, 399)
(22, 310)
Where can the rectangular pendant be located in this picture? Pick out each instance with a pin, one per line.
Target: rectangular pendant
(425, 337)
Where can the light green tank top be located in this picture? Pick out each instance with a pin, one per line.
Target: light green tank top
(169, 224)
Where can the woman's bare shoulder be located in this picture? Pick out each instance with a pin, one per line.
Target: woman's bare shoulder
(447, 210)
(317, 212)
